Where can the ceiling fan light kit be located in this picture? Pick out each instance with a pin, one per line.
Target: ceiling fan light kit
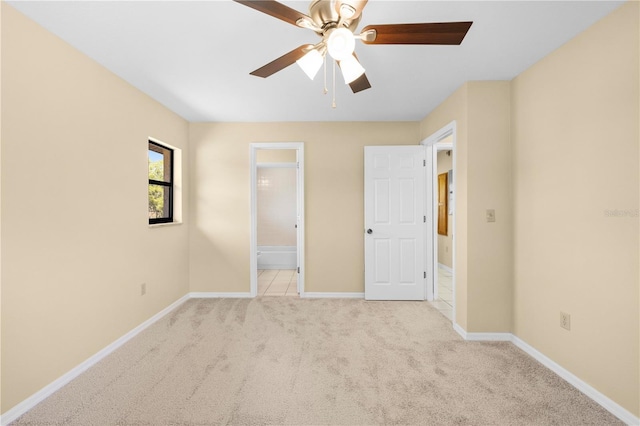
(335, 22)
(340, 43)
(311, 63)
(351, 69)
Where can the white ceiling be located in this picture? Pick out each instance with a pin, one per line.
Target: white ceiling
(195, 56)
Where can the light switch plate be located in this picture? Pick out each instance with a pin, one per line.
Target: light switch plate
(491, 215)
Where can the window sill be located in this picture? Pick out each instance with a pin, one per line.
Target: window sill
(162, 225)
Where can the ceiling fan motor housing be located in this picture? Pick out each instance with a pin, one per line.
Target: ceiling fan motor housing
(326, 16)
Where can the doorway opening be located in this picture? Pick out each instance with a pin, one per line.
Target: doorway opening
(441, 180)
(277, 219)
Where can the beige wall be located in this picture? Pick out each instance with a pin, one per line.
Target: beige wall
(334, 216)
(76, 244)
(575, 139)
(275, 156)
(490, 246)
(445, 242)
(555, 154)
(483, 270)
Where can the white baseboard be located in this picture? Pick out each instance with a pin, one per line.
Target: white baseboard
(445, 267)
(216, 295)
(276, 266)
(598, 397)
(306, 294)
(609, 405)
(54, 386)
(482, 337)
(461, 331)
(336, 295)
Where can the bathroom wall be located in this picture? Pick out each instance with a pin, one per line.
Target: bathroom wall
(276, 206)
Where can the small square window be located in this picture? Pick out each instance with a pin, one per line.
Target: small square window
(160, 183)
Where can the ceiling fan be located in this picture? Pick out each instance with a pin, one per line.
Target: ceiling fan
(335, 22)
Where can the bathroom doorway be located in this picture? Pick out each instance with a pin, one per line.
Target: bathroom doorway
(441, 155)
(443, 250)
(277, 226)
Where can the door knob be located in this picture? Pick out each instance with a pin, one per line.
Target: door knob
(369, 231)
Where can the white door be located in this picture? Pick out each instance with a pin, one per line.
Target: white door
(394, 249)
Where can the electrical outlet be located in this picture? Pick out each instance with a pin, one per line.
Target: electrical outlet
(491, 215)
(565, 321)
(143, 289)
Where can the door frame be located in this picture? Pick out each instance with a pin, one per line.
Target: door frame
(433, 144)
(253, 233)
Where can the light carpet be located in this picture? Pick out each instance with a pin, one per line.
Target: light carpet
(279, 360)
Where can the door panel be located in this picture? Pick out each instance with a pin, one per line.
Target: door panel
(407, 201)
(395, 233)
(381, 201)
(407, 260)
(382, 256)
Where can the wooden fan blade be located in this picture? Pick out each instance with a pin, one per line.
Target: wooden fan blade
(434, 33)
(282, 62)
(359, 84)
(275, 9)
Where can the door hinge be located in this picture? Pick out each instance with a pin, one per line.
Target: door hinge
(297, 165)
(298, 269)
(424, 219)
(424, 163)
(425, 275)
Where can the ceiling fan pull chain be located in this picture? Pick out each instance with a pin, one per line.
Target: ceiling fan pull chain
(325, 75)
(333, 105)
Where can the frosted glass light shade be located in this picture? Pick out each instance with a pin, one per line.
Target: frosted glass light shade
(310, 63)
(351, 69)
(340, 44)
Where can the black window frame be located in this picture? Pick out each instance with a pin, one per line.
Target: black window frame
(167, 185)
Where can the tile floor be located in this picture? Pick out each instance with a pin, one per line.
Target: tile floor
(444, 303)
(277, 282)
